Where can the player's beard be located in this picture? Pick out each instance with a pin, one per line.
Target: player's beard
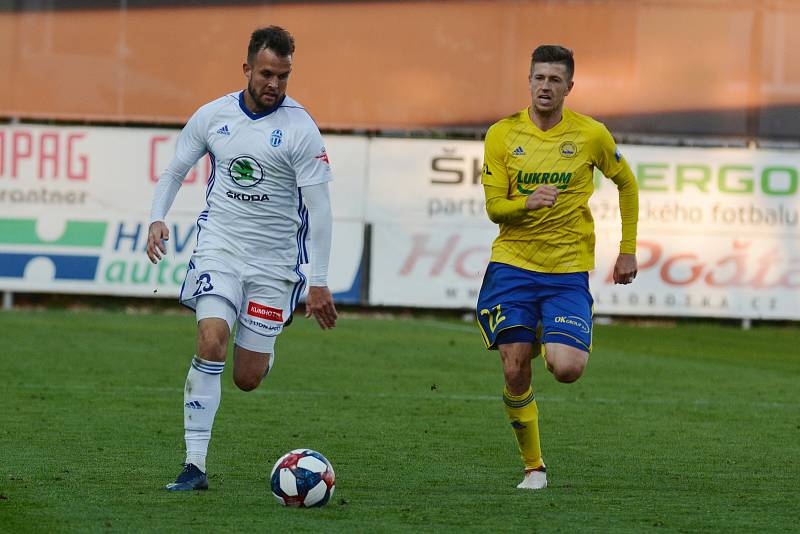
(254, 96)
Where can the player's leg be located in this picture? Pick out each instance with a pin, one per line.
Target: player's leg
(202, 391)
(515, 348)
(250, 367)
(565, 362)
(567, 326)
(507, 318)
(271, 295)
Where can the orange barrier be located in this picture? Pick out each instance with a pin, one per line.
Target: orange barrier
(384, 65)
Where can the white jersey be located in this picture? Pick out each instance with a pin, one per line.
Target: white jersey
(259, 161)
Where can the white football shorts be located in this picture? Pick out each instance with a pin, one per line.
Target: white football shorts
(262, 297)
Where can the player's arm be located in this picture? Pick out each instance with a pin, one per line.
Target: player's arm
(313, 172)
(319, 301)
(616, 168)
(502, 209)
(190, 147)
(496, 184)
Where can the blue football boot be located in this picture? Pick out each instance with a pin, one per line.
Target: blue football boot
(191, 478)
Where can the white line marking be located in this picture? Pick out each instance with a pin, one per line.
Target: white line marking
(432, 396)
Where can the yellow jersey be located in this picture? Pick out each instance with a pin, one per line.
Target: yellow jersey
(519, 157)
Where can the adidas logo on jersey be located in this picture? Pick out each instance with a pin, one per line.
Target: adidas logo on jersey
(518, 151)
(224, 130)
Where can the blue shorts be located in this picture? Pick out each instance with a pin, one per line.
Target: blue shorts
(512, 297)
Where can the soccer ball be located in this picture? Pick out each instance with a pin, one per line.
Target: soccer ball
(302, 478)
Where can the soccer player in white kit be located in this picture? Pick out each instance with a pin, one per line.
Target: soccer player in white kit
(267, 195)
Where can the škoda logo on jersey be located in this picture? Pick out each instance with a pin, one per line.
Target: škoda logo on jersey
(245, 171)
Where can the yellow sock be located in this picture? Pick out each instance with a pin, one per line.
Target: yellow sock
(524, 416)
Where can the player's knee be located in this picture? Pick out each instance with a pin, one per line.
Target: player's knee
(568, 372)
(247, 382)
(211, 346)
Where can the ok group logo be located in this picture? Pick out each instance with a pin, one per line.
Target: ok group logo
(20, 244)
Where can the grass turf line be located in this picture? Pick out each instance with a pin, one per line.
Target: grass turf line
(693, 428)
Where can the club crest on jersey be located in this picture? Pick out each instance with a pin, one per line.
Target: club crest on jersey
(245, 171)
(568, 149)
(276, 138)
(264, 312)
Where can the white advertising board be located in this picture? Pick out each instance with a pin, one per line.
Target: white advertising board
(75, 203)
(718, 230)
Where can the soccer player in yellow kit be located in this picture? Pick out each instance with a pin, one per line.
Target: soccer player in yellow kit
(538, 177)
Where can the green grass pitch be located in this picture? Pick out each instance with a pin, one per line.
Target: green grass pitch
(689, 428)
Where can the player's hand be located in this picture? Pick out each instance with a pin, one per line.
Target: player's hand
(625, 269)
(319, 303)
(158, 233)
(543, 196)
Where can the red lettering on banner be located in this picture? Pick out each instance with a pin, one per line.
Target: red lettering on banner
(48, 154)
(741, 268)
(17, 152)
(154, 141)
(461, 260)
(766, 264)
(80, 173)
(738, 261)
(792, 277)
(419, 250)
(43, 154)
(441, 257)
(155, 165)
(264, 312)
(667, 274)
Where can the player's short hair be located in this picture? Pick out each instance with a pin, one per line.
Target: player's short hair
(554, 54)
(275, 38)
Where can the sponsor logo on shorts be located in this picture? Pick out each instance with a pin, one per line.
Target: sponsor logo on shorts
(575, 321)
(264, 312)
(261, 326)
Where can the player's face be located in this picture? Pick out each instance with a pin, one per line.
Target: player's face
(267, 79)
(550, 84)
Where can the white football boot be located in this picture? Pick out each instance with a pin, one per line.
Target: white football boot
(534, 479)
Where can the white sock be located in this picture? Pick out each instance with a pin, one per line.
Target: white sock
(200, 402)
